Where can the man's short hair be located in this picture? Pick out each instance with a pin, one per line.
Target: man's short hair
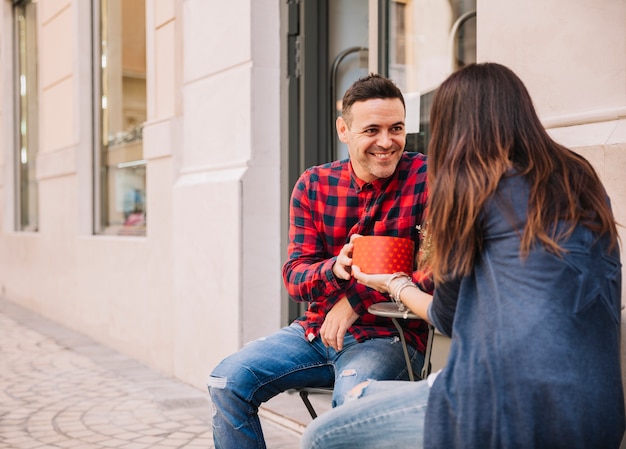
(367, 88)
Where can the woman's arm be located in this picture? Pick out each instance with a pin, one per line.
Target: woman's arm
(411, 296)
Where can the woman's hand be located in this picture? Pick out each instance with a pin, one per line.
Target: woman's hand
(376, 281)
(415, 299)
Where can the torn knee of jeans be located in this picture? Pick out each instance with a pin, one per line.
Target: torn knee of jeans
(348, 372)
(216, 382)
(357, 391)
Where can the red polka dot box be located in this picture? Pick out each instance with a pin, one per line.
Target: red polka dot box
(383, 254)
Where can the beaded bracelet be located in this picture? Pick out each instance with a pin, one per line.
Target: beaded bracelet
(405, 282)
(393, 277)
(396, 295)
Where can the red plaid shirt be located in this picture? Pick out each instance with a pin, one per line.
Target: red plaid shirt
(329, 204)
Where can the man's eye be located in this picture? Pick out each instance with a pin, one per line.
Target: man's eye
(397, 129)
(370, 131)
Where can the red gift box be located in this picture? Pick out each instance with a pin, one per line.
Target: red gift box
(376, 254)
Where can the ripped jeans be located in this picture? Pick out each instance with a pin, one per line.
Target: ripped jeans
(383, 415)
(285, 360)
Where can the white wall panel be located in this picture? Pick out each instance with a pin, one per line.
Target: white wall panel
(217, 35)
(218, 124)
(57, 118)
(206, 273)
(56, 48)
(569, 54)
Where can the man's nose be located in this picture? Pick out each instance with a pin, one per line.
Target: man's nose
(384, 139)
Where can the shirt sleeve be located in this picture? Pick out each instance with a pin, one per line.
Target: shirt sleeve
(424, 280)
(443, 307)
(308, 272)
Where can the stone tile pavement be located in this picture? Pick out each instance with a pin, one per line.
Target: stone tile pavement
(60, 389)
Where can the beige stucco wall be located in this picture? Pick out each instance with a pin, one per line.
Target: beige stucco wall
(206, 278)
(226, 194)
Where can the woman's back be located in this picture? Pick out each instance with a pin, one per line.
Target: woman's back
(535, 355)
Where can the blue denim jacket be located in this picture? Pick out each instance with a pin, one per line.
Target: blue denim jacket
(535, 353)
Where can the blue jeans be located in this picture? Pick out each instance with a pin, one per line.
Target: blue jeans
(285, 360)
(387, 414)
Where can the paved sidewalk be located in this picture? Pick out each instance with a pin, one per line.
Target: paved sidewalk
(59, 389)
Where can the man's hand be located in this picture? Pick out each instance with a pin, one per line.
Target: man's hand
(341, 268)
(337, 322)
(343, 264)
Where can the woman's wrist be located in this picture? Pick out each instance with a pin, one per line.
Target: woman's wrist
(392, 278)
(400, 288)
(396, 284)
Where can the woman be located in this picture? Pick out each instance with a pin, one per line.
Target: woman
(525, 258)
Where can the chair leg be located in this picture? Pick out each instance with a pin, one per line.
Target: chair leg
(429, 349)
(304, 395)
(404, 349)
(427, 353)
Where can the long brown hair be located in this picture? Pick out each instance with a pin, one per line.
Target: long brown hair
(483, 123)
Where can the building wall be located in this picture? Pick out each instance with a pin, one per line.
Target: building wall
(226, 275)
(206, 278)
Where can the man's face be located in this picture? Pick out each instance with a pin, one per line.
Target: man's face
(375, 137)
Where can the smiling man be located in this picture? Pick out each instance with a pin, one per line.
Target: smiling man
(379, 190)
(375, 134)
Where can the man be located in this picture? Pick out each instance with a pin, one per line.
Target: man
(379, 190)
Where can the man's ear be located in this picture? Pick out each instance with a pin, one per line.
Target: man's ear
(342, 129)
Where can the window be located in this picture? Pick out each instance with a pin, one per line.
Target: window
(427, 42)
(120, 112)
(26, 113)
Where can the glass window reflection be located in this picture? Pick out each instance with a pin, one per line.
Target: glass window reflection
(25, 27)
(122, 101)
(428, 40)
